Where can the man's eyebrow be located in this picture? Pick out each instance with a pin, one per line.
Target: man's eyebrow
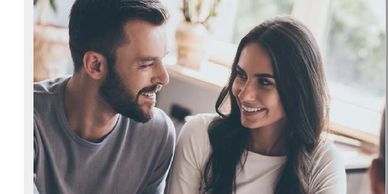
(149, 58)
(152, 58)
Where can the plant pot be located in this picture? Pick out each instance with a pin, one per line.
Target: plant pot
(191, 40)
(51, 52)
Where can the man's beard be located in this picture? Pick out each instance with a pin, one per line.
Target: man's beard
(114, 93)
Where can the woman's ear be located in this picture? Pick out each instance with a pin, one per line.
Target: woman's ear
(95, 65)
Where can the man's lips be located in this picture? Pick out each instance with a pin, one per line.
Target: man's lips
(150, 92)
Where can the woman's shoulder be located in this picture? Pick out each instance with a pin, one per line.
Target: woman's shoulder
(328, 170)
(193, 139)
(204, 118)
(198, 124)
(325, 152)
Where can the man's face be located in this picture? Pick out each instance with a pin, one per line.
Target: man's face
(138, 73)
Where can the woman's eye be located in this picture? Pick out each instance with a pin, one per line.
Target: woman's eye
(241, 75)
(265, 82)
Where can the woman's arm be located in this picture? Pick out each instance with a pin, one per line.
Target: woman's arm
(191, 153)
(328, 172)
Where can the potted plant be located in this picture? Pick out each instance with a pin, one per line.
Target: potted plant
(192, 35)
(51, 51)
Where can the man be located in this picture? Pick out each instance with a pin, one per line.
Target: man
(377, 169)
(98, 130)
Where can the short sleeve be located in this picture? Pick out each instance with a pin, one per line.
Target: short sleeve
(191, 154)
(328, 172)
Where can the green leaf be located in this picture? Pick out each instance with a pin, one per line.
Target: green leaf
(53, 5)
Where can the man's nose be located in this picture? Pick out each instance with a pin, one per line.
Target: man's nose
(161, 75)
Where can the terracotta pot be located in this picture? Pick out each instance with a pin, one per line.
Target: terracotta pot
(191, 40)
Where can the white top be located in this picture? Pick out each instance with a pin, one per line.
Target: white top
(260, 172)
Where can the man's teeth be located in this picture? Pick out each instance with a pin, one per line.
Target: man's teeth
(148, 94)
(249, 109)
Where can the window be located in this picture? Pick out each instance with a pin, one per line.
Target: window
(356, 45)
(351, 36)
(355, 62)
(250, 13)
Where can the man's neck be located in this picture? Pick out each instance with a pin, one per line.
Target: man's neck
(88, 115)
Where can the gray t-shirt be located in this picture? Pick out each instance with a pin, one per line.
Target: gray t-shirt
(133, 158)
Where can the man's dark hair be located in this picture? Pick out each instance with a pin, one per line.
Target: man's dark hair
(97, 25)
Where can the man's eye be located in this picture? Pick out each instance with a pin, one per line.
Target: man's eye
(145, 65)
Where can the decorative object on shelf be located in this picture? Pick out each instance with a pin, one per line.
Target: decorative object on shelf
(51, 50)
(191, 35)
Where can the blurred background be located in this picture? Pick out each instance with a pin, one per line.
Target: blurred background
(203, 36)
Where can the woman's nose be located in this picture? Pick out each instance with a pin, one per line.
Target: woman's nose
(248, 92)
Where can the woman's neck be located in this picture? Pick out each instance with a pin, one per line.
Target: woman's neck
(268, 140)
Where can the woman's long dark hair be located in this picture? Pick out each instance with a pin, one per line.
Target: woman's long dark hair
(300, 81)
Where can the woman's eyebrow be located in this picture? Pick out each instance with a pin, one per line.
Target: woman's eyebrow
(268, 75)
(238, 68)
(264, 75)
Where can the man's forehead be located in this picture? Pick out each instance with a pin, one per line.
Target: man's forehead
(138, 29)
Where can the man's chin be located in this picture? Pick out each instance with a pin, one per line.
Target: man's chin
(143, 119)
(139, 117)
(142, 115)
(147, 115)
(138, 114)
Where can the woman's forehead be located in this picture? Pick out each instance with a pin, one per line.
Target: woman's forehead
(254, 59)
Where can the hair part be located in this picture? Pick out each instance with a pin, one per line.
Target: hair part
(97, 25)
(301, 84)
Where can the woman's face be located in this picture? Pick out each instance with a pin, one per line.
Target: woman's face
(255, 90)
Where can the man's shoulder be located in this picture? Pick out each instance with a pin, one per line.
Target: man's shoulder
(161, 119)
(45, 93)
(49, 86)
(159, 116)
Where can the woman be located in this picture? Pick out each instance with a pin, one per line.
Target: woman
(270, 141)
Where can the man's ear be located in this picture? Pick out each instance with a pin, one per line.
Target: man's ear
(95, 65)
